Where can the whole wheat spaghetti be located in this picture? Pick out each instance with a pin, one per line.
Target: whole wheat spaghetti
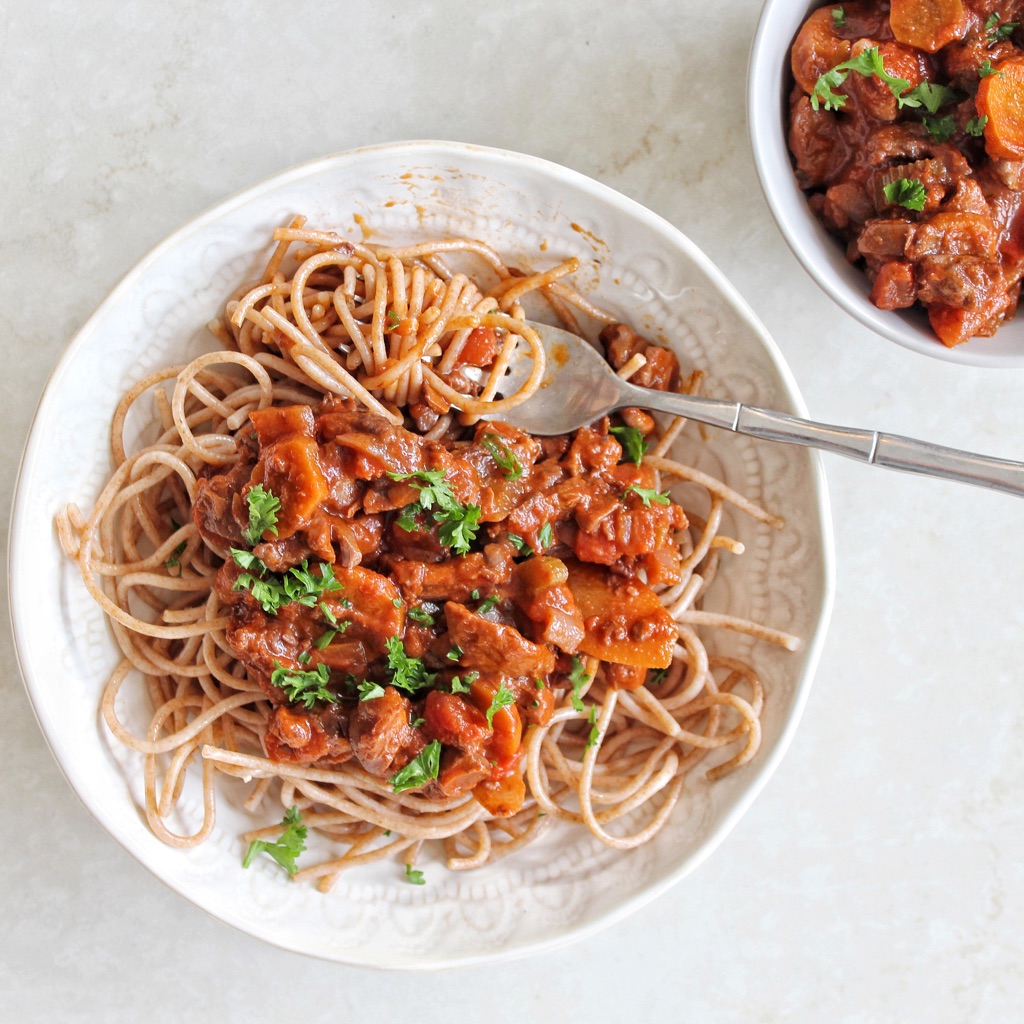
(334, 581)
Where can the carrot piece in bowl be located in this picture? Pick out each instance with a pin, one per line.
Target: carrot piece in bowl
(928, 24)
(1001, 100)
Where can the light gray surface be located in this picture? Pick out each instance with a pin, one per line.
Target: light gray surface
(879, 876)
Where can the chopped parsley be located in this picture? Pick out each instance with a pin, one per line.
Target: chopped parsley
(579, 678)
(976, 126)
(940, 128)
(633, 444)
(838, 17)
(501, 699)
(487, 604)
(906, 192)
(422, 616)
(546, 536)
(986, 70)
(409, 673)
(393, 320)
(369, 690)
(174, 562)
(303, 686)
(504, 457)
(263, 509)
(520, 545)
(420, 770)
(458, 523)
(647, 495)
(414, 876)
(272, 591)
(997, 30)
(931, 96)
(286, 847)
(455, 653)
(595, 733)
(463, 685)
(869, 63)
(326, 638)
(658, 676)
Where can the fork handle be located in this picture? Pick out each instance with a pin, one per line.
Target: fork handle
(872, 446)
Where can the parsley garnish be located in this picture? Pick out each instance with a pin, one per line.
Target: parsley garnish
(414, 876)
(286, 847)
(463, 685)
(174, 562)
(986, 69)
(393, 320)
(421, 615)
(546, 536)
(647, 495)
(868, 62)
(658, 676)
(263, 509)
(579, 678)
(501, 699)
(368, 690)
(539, 683)
(504, 457)
(633, 443)
(410, 674)
(940, 128)
(455, 653)
(931, 96)
(906, 192)
(595, 733)
(976, 126)
(520, 545)
(487, 604)
(998, 32)
(302, 686)
(420, 770)
(838, 17)
(459, 523)
(326, 638)
(272, 591)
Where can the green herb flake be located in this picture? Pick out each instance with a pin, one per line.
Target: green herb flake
(998, 30)
(579, 678)
(414, 876)
(595, 733)
(546, 536)
(263, 509)
(520, 545)
(940, 128)
(867, 63)
(422, 769)
(986, 70)
(906, 192)
(503, 456)
(838, 17)
(647, 495)
(286, 848)
(454, 653)
(369, 690)
(633, 444)
(502, 698)
(303, 686)
(463, 685)
(486, 605)
(409, 673)
(421, 615)
(976, 126)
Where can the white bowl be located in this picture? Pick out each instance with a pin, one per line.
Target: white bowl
(566, 884)
(822, 255)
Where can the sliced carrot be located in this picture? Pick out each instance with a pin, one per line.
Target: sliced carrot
(928, 24)
(955, 326)
(1001, 100)
(817, 48)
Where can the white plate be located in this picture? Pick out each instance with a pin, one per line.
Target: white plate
(567, 885)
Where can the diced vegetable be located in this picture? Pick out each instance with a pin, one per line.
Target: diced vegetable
(1001, 99)
(928, 24)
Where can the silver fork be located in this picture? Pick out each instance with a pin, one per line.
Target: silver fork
(579, 387)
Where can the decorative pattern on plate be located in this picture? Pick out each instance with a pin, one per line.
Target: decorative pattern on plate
(566, 884)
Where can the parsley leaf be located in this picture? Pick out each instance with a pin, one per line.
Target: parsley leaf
(930, 96)
(906, 192)
(421, 615)
(463, 685)
(487, 604)
(302, 686)
(286, 847)
(326, 638)
(546, 536)
(368, 690)
(459, 523)
(272, 591)
(459, 527)
(986, 70)
(504, 457)
(455, 653)
(519, 544)
(420, 770)
(940, 128)
(867, 63)
(976, 126)
(263, 509)
(633, 444)
(393, 320)
(658, 676)
(647, 495)
(998, 32)
(410, 674)
(501, 699)
(595, 733)
(838, 17)
(414, 876)
(174, 562)
(579, 678)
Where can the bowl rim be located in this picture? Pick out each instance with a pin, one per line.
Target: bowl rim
(21, 510)
(818, 252)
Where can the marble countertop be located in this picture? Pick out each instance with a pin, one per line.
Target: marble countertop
(878, 877)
